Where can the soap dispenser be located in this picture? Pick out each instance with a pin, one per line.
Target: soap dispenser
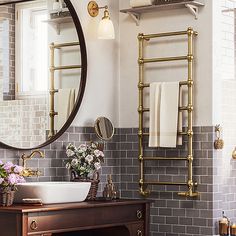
(224, 225)
(110, 191)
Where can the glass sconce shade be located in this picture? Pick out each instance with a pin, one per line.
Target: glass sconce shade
(106, 29)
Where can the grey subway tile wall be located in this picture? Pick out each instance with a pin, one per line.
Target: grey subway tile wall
(7, 56)
(171, 215)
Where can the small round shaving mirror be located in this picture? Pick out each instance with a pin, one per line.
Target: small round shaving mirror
(104, 128)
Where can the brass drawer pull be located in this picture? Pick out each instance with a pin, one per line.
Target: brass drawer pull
(34, 225)
(139, 214)
(139, 233)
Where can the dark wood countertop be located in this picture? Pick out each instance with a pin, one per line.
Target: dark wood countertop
(17, 208)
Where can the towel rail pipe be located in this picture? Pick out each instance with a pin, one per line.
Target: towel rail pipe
(150, 60)
(180, 108)
(168, 34)
(141, 75)
(165, 158)
(52, 112)
(62, 45)
(66, 67)
(181, 83)
(179, 133)
(164, 183)
(141, 61)
(190, 114)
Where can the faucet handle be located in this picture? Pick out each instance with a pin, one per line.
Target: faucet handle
(38, 173)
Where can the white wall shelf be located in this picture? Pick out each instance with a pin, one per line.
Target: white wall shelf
(56, 22)
(136, 12)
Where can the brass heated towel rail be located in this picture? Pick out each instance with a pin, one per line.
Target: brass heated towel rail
(52, 91)
(143, 183)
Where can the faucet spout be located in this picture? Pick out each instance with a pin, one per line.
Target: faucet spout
(27, 172)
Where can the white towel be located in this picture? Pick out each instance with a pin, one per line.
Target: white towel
(165, 99)
(180, 118)
(140, 3)
(65, 104)
(169, 109)
(154, 122)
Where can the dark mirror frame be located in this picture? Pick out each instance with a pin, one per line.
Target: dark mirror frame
(82, 79)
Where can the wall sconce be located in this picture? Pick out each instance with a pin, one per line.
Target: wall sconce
(105, 28)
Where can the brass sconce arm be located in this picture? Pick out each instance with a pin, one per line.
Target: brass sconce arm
(27, 172)
(106, 27)
(93, 8)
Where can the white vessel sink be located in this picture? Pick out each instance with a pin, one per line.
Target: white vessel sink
(53, 192)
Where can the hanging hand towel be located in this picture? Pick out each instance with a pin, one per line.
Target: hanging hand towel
(141, 3)
(65, 104)
(180, 118)
(154, 122)
(169, 114)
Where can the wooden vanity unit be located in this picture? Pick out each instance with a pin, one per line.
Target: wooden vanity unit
(100, 218)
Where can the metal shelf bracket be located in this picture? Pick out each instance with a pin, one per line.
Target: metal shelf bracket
(135, 16)
(193, 10)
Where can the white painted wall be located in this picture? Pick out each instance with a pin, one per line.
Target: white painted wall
(112, 80)
(164, 21)
(101, 94)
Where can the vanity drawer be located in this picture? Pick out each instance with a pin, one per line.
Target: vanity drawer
(84, 218)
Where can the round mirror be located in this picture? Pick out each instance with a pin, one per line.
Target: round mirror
(43, 67)
(104, 128)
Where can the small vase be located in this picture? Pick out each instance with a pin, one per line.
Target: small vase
(6, 197)
(94, 183)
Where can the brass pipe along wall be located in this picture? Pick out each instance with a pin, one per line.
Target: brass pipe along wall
(52, 91)
(143, 183)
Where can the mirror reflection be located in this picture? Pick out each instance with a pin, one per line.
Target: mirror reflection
(40, 68)
(104, 128)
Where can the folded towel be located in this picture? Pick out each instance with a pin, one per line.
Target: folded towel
(180, 118)
(169, 109)
(140, 3)
(165, 99)
(154, 122)
(65, 104)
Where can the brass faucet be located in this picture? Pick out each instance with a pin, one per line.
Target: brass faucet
(27, 172)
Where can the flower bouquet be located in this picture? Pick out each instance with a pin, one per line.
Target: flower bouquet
(10, 176)
(84, 163)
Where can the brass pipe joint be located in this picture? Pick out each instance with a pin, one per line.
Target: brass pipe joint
(190, 184)
(140, 36)
(140, 133)
(140, 85)
(140, 158)
(190, 57)
(190, 83)
(190, 133)
(190, 108)
(140, 61)
(190, 158)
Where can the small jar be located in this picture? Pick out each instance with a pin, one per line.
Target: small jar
(233, 230)
(224, 227)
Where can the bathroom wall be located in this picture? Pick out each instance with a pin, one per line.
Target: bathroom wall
(23, 123)
(164, 21)
(102, 89)
(107, 53)
(112, 91)
(172, 215)
(52, 167)
(7, 53)
(225, 166)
